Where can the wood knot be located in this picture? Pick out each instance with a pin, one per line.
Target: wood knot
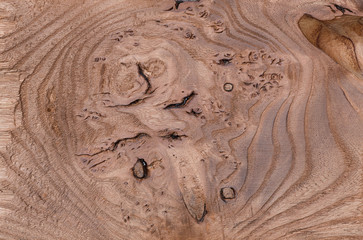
(228, 87)
(227, 193)
(139, 169)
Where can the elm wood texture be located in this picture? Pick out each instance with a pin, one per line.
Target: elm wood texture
(116, 123)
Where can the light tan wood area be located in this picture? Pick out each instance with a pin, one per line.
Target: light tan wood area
(151, 119)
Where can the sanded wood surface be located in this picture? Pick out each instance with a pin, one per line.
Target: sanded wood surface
(151, 119)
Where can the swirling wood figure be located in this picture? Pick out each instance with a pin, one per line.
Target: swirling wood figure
(163, 119)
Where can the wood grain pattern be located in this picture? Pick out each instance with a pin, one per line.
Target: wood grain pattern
(215, 119)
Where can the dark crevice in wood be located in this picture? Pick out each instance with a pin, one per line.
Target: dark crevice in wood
(115, 144)
(174, 136)
(224, 61)
(204, 213)
(342, 9)
(142, 74)
(183, 103)
(95, 165)
(133, 103)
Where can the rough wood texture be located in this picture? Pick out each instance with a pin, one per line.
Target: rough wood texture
(146, 119)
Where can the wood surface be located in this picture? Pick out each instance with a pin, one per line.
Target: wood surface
(151, 119)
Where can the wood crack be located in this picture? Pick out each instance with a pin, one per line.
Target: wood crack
(183, 103)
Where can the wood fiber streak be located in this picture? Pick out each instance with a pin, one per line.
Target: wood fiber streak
(210, 119)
